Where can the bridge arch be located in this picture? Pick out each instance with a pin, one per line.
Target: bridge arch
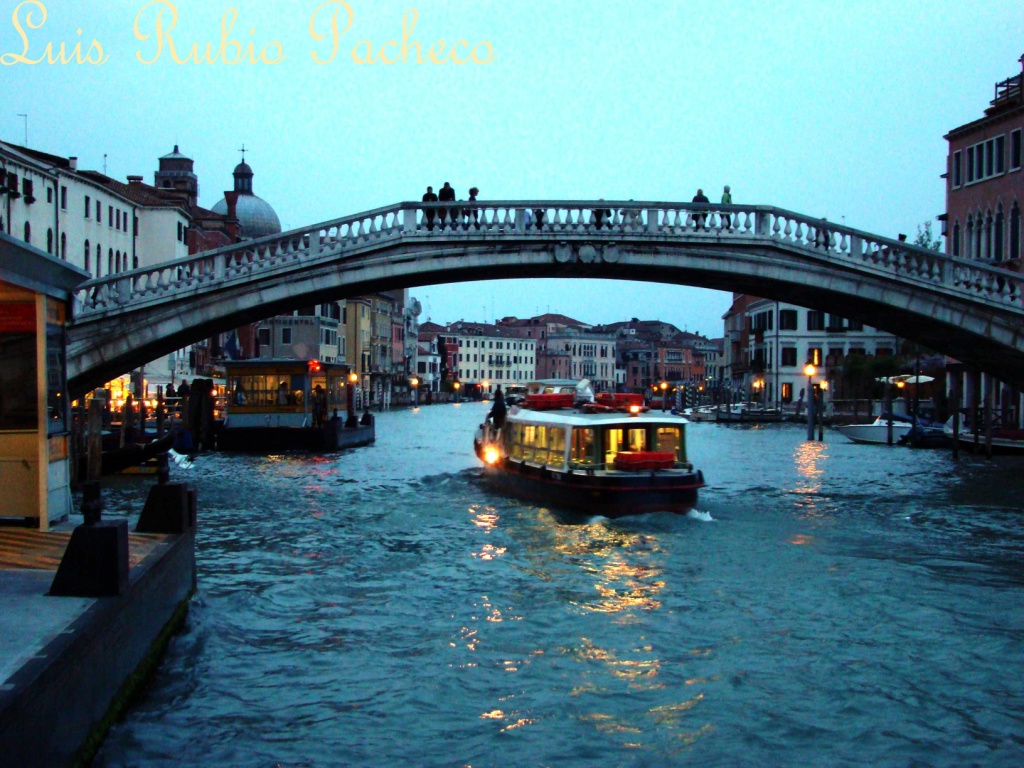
(971, 311)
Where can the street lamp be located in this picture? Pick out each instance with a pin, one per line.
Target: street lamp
(809, 371)
(486, 387)
(457, 386)
(351, 422)
(415, 392)
(664, 394)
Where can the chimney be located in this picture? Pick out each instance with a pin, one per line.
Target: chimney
(73, 163)
(134, 181)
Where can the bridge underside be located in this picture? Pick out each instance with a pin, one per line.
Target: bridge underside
(947, 321)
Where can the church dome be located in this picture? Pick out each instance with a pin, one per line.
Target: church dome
(256, 216)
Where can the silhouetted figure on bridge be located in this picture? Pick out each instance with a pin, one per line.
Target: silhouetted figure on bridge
(428, 214)
(601, 215)
(447, 194)
(699, 218)
(726, 200)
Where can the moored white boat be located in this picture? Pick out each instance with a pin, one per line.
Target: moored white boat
(606, 456)
(877, 432)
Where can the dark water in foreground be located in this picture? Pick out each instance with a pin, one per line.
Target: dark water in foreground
(829, 604)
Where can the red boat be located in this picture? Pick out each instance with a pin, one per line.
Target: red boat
(607, 456)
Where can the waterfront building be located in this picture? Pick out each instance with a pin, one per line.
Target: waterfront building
(984, 197)
(484, 356)
(985, 180)
(780, 339)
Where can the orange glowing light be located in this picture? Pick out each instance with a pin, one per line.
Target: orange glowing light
(491, 454)
(634, 410)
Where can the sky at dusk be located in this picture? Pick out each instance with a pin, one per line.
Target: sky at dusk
(833, 110)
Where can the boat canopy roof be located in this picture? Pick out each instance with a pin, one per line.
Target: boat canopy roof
(579, 419)
(580, 388)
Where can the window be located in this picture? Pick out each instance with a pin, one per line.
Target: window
(28, 232)
(787, 320)
(88, 206)
(815, 320)
(26, 190)
(985, 159)
(99, 212)
(264, 337)
(88, 253)
(956, 239)
(789, 357)
(997, 236)
(1014, 252)
(814, 356)
(1015, 150)
(49, 241)
(855, 325)
(957, 179)
(286, 335)
(110, 261)
(64, 246)
(64, 198)
(49, 194)
(110, 215)
(99, 259)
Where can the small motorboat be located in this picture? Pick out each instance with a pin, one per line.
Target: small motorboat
(877, 432)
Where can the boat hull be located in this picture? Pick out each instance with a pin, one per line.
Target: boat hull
(276, 439)
(607, 494)
(875, 433)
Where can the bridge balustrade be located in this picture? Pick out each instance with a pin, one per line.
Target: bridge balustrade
(521, 221)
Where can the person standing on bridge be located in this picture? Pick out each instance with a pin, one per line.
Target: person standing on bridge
(698, 218)
(726, 200)
(447, 194)
(429, 213)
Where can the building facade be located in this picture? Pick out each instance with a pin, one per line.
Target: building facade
(985, 180)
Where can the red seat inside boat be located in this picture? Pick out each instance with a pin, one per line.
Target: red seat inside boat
(638, 460)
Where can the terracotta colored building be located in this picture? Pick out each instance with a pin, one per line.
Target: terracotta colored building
(985, 181)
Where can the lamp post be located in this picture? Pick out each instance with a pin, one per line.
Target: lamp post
(457, 386)
(351, 422)
(809, 371)
(664, 395)
(822, 389)
(414, 382)
(758, 385)
(485, 388)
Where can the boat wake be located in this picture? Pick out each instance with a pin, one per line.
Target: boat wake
(704, 517)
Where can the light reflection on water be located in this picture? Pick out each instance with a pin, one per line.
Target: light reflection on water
(827, 603)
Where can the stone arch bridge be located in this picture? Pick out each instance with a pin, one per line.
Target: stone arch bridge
(970, 310)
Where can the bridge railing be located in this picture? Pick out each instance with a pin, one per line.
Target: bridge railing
(548, 220)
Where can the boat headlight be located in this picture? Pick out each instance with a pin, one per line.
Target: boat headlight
(491, 454)
(634, 410)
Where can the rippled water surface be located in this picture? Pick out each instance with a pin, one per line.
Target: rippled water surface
(827, 604)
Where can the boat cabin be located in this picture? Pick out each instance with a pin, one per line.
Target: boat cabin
(597, 442)
(283, 393)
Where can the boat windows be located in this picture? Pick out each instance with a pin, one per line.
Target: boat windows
(538, 443)
(619, 440)
(670, 439)
(583, 447)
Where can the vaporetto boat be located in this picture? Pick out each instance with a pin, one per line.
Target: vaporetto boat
(605, 455)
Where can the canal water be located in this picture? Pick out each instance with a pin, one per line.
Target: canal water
(827, 604)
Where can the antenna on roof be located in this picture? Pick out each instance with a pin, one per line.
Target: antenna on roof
(104, 163)
(22, 114)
